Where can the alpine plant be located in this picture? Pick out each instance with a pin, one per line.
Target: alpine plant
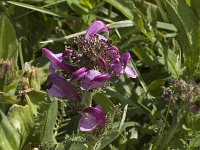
(90, 66)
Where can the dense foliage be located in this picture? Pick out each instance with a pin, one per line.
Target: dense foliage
(98, 103)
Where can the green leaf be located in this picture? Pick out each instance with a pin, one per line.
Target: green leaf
(9, 137)
(172, 61)
(77, 7)
(76, 146)
(35, 8)
(5, 98)
(183, 16)
(188, 2)
(123, 117)
(155, 87)
(166, 26)
(147, 55)
(21, 118)
(46, 112)
(125, 7)
(8, 41)
(49, 122)
(86, 3)
(103, 101)
(110, 137)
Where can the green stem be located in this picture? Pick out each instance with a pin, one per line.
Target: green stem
(21, 54)
(144, 107)
(87, 100)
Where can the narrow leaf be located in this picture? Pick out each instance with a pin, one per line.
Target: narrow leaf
(8, 41)
(39, 9)
(10, 138)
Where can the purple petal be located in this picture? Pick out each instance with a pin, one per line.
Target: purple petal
(56, 92)
(78, 74)
(91, 74)
(53, 67)
(59, 56)
(63, 86)
(95, 27)
(67, 52)
(102, 63)
(125, 58)
(118, 69)
(56, 58)
(95, 84)
(87, 122)
(102, 77)
(98, 114)
(113, 52)
(51, 56)
(92, 117)
(101, 37)
(88, 83)
(130, 72)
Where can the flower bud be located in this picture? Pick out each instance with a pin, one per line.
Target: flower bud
(7, 72)
(78, 74)
(30, 78)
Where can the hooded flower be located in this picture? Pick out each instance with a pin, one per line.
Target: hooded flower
(91, 118)
(94, 28)
(61, 88)
(94, 79)
(56, 61)
(78, 74)
(120, 65)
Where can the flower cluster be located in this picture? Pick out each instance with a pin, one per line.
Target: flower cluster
(185, 95)
(90, 66)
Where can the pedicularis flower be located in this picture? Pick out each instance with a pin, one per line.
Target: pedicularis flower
(90, 66)
(91, 118)
(94, 62)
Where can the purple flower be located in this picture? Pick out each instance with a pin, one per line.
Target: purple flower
(120, 65)
(101, 63)
(61, 88)
(56, 61)
(94, 28)
(94, 79)
(91, 118)
(113, 52)
(68, 52)
(78, 74)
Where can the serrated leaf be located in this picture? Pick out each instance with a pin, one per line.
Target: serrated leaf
(8, 41)
(183, 16)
